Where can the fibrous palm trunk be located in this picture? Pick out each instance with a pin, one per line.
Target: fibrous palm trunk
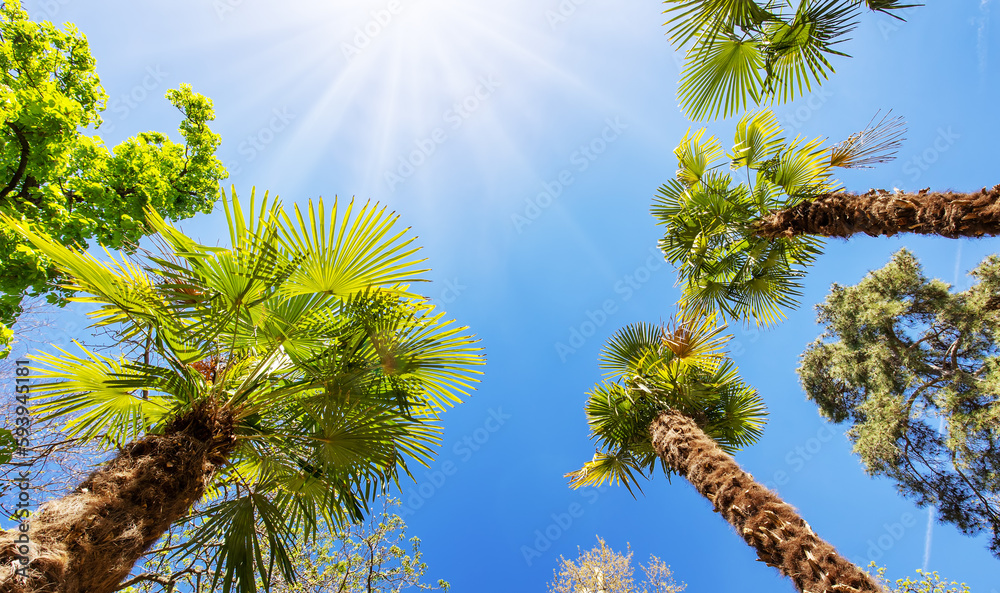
(879, 212)
(773, 528)
(89, 540)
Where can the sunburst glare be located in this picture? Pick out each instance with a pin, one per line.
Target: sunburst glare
(382, 85)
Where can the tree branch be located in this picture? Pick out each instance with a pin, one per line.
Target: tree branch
(160, 579)
(22, 164)
(986, 504)
(371, 565)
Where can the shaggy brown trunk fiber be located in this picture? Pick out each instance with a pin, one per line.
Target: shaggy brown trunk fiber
(89, 540)
(782, 539)
(879, 212)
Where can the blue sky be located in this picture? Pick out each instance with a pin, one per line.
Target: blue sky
(523, 142)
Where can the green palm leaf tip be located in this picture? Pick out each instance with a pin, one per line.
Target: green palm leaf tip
(650, 369)
(722, 265)
(305, 330)
(741, 53)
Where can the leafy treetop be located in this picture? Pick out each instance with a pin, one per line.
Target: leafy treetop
(66, 182)
(926, 582)
(603, 570)
(915, 369)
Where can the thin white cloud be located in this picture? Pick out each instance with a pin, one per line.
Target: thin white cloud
(927, 538)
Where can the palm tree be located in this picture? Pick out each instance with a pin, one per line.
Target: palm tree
(742, 52)
(742, 247)
(283, 381)
(673, 397)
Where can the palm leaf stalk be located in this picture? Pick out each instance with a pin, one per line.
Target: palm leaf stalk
(288, 379)
(740, 53)
(673, 399)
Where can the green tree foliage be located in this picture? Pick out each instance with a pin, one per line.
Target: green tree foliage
(915, 370)
(66, 181)
(286, 380)
(745, 52)
(373, 556)
(603, 570)
(925, 582)
(710, 213)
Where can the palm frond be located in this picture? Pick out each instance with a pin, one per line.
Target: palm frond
(437, 356)
(887, 6)
(737, 418)
(101, 397)
(363, 251)
(802, 169)
(871, 146)
(122, 292)
(758, 139)
(607, 468)
(796, 51)
(755, 279)
(628, 347)
(723, 78)
(696, 157)
(239, 561)
(694, 18)
(671, 200)
(618, 416)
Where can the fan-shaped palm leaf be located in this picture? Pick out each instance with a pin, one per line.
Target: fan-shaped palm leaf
(796, 50)
(102, 395)
(723, 78)
(758, 139)
(691, 18)
(362, 252)
(621, 468)
(873, 145)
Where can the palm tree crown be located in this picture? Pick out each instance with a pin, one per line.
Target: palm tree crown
(725, 264)
(302, 334)
(651, 369)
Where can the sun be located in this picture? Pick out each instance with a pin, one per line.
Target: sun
(386, 83)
